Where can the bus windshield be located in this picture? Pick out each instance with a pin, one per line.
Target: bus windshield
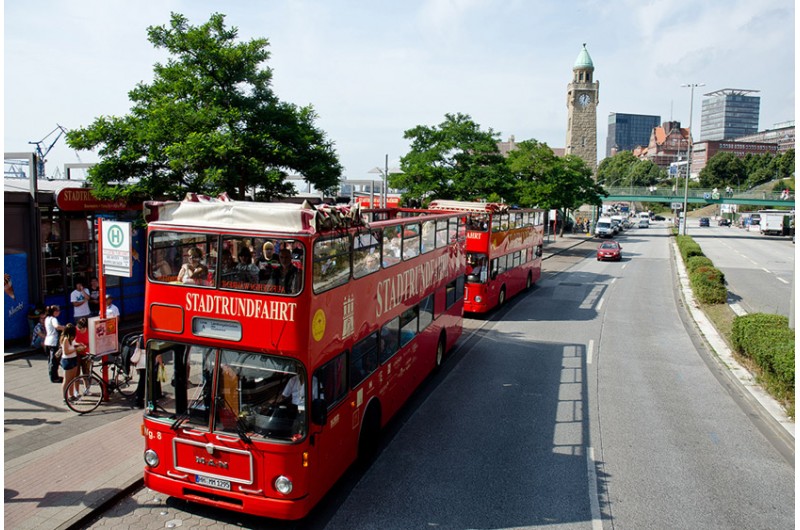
(477, 267)
(228, 391)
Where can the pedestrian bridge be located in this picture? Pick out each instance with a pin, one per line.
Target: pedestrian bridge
(698, 196)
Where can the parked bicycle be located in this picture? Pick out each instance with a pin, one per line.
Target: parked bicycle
(85, 392)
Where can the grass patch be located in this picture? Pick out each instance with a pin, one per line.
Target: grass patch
(721, 315)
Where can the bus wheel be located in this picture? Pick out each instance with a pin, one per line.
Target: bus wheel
(502, 298)
(529, 282)
(370, 429)
(440, 350)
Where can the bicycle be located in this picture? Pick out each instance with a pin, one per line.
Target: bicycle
(84, 393)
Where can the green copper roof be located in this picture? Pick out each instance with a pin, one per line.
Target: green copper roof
(583, 60)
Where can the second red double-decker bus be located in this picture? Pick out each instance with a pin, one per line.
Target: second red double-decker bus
(281, 338)
(504, 251)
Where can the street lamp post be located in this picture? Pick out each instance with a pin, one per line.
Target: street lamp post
(384, 173)
(689, 157)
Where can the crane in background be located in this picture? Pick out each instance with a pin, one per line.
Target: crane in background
(41, 153)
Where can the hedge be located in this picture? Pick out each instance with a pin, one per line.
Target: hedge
(697, 261)
(769, 342)
(688, 247)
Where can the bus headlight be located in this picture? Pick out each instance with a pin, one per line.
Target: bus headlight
(150, 458)
(283, 485)
(478, 299)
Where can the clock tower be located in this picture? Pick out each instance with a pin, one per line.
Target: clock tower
(582, 98)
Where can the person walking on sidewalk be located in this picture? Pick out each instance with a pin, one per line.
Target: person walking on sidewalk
(52, 327)
(69, 358)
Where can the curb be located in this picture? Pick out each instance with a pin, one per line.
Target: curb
(88, 515)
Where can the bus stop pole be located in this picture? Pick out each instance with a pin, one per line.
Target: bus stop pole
(102, 281)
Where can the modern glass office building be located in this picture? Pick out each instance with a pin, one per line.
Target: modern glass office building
(627, 131)
(728, 114)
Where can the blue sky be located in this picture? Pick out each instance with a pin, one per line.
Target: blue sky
(375, 69)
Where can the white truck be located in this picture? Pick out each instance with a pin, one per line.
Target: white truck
(775, 222)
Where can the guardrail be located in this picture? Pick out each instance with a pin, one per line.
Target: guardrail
(699, 195)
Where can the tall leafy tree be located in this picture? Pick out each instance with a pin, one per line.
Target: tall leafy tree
(454, 160)
(208, 123)
(615, 170)
(723, 169)
(547, 181)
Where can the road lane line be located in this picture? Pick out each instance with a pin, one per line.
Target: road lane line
(594, 500)
(600, 304)
(590, 351)
(766, 270)
(782, 280)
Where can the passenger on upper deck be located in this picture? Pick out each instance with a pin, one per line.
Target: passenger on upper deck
(194, 272)
(267, 261)
(248, 271)
(286, 278)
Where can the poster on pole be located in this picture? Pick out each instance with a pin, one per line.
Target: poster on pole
(117, 249)
(103, 335)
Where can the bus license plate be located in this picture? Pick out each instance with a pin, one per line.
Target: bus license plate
(213, 482)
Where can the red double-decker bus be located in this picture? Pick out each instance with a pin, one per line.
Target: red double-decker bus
(504, 251)
(268, 377)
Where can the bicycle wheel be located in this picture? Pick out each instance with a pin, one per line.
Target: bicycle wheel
(84, 393)
(125, 381)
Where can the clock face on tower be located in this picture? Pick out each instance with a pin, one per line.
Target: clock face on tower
(584, 100)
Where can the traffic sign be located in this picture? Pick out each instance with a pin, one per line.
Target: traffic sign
(117, 249)
(677, 206)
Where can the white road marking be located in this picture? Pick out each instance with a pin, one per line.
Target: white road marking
(600, 304)
(594, 500)
(766, 270)
(782, 280)
(590, 352)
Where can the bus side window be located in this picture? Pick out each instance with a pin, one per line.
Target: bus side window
(428, 236)
(331, 381)
(391, 245)
(390, 339)
(409, 321)
(411, 241)
(425, 312)
(366, 253)
(331, 266)
(441, 233)
(452, 230)
(363, 359)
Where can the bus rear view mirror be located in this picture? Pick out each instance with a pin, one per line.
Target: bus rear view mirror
(319, 412)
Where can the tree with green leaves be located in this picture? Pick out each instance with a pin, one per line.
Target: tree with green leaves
(550, 182)
(614, 171)
(208, 123)
(624, 169)
(723, 169)
(454, 160)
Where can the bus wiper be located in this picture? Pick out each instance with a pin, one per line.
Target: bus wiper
(186, 414)
(182, 417)
(240, 428)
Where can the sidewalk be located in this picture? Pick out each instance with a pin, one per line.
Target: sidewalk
(60, 466)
